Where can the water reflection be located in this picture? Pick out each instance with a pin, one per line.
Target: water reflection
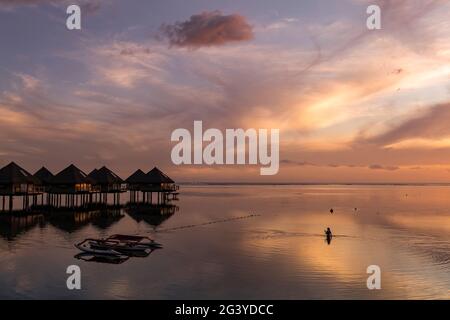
(89, 257)
(154, 215)
(231, 258)
(70, 221)
(13, 225)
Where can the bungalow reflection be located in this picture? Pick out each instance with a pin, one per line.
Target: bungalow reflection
(70, 221)
(152, 214)
(12, 226)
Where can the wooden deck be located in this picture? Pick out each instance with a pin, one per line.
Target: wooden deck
(83, 199)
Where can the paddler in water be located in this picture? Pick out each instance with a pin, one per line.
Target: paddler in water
(329, 235)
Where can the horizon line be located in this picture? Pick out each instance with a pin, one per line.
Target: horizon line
(318, 183)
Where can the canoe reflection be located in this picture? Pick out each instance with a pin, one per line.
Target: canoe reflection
(89, 257)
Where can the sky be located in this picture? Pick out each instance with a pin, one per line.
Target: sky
(352, 104)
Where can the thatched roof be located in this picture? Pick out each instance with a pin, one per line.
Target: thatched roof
(104, 176)
(14, 174)
(44, 175)
(157, 176)
(71, 175)
(138, 177)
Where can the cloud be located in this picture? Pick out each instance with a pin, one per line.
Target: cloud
(128, 96)
(404, 20)
(381, 167)
(281, 24)
(17, 3)
(89, 6)
(333, 165)
(208, 29)
(431, 124)
(296, 163)
(29, 82)
(311, 164)
(125, 77)
(123, 64)
(36, 121)
(133, 52)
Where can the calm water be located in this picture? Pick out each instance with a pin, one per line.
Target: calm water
(280, 254)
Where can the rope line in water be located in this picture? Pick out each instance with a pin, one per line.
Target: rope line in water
(207, 223)
(148, 232)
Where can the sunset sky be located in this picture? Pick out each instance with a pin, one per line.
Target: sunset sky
(352, 105)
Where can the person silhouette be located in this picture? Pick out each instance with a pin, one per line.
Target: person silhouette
(329, 235)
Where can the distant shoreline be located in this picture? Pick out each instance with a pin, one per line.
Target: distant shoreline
(417, 184)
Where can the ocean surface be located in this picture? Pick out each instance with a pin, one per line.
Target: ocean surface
(244, 242)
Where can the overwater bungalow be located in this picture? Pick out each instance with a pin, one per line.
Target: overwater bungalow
(70, 180)
(92, 172)
(159, 181)
(155, 181)
(44, 176)
(74, 184)
(72, 188)
(136, 180)
(134, 184)
(16, 181)
(105, 181)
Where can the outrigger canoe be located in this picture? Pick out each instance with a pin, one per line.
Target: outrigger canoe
(135, 241)
(117, 245)
(89, 246)
(130, 249)
(120, 244)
